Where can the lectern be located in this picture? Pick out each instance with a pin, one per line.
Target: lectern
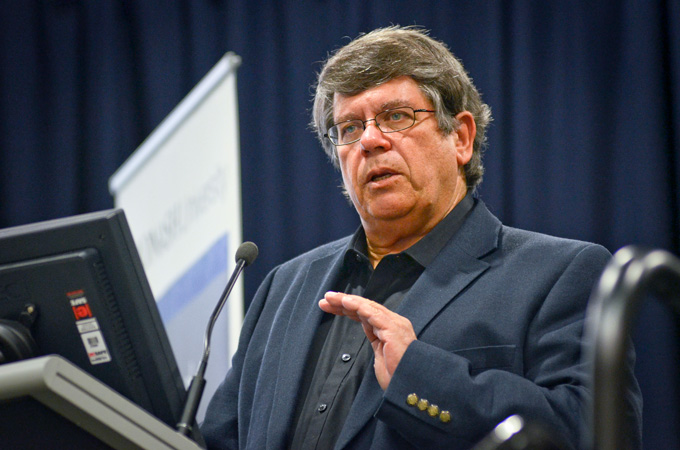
(48, 402)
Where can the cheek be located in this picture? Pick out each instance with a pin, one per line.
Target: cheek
(347, 170)
(433, 170)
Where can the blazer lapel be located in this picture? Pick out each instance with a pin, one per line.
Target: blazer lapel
(457, 265)
(305, 318)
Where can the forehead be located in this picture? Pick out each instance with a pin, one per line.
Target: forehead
(402, 91)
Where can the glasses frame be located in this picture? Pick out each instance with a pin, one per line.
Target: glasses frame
(375, 119)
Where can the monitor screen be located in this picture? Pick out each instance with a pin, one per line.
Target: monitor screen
(78, 286)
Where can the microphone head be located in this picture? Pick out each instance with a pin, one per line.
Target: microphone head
(247, 252)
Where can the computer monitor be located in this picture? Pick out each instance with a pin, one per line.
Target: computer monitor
(77, 286)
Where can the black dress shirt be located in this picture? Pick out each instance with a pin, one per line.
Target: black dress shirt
(340, 354)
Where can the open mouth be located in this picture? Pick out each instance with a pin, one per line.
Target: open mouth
(380, 177)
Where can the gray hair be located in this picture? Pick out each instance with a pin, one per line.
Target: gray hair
(388, 53)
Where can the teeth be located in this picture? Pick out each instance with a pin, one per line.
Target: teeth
(382, 177)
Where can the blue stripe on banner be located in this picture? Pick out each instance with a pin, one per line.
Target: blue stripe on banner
(194, 280)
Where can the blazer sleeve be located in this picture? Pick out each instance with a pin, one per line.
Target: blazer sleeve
(550, 387)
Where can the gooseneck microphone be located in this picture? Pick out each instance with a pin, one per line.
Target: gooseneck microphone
(245, 255)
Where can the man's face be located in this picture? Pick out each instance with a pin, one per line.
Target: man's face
(410, 178)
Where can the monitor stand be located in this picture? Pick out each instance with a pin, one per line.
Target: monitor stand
(48, 402)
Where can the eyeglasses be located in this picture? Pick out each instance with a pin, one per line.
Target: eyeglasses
(388, 121)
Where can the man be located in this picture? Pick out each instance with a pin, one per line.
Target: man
(433, 322)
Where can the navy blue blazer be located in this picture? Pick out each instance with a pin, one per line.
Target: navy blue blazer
(498, 315)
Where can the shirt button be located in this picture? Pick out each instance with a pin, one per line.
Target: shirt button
(322, 407)
(346, 357)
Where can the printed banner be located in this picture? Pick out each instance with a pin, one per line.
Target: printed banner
(181, 192)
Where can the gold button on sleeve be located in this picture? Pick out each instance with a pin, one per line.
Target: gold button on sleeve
(433, 410)
(445, 416)
(412, 399)
(423, 404)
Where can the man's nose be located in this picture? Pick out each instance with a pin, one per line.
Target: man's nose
(373, 138)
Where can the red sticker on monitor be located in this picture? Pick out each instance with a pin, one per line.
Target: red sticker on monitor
(79, 305)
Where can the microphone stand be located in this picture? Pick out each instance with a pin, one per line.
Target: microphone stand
(185, 425)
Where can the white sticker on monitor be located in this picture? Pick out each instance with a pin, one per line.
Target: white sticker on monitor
(87, 325)
(96, 347)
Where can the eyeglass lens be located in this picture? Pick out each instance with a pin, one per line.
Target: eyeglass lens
(387, 121)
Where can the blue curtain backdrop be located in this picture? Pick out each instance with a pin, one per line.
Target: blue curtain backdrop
(585, 143)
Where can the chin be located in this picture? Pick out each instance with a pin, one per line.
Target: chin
(388, 213)
(388, 206)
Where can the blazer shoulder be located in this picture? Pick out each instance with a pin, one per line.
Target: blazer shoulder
(320, 252)
(531, 243)
(483, 234)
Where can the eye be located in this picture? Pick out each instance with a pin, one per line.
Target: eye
(395, 119)
(349, 130)
(395, 116)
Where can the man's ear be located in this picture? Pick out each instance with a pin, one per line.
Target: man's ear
(465, 137)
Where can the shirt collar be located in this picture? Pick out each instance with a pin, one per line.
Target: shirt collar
(425, 250)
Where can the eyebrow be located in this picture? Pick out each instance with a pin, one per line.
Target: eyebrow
(396, 103)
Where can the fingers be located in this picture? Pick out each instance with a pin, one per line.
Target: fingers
(389, 333)
(354, 307)
(369, 331)
(332, 303)
(377, 320)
